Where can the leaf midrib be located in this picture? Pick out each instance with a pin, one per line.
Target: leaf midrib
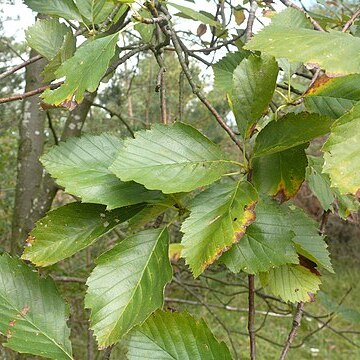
(136, 286)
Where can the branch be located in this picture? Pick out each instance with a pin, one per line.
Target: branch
(113, 113)
(251, 318)
(209, 310)
(293, 331)
(351, 20)
(196, 90)
(224, 307)
(316, 25)
(251, 19)
(52, 129)
(30, 93)
(160, 84)
(69, 279)
(56, 85)
(20, 66)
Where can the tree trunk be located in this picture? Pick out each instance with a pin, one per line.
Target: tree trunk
(29, 170)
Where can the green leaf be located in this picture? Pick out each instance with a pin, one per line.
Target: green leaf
(342, 152)
(346, 204)
(224, 69)
(171, 158)
(93, 10)
(81, 166)
(319, 183)
(289, 68)
(33, 315)
(171, 335)
(68, 229)
(293, 18)
(290, 131)
(292, 283)
(335, 51)
(219, 218)
(307, 239)
(254, 82)
(267, 242)
(83, 71)
(61, 8)
(333, 96)
(65, 52)
(127, 284)
(329, 197)
(195, 15)
(47, 36)
(149, 214)
(280, 174)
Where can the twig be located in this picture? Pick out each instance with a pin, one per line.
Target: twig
(107, 353)
(292, 89)
(293, 331)
(113, 113)
(224, 307)
(56, 85)
(52, 129)
(355, 15)
(160, 84)
(251, 316)
(69, 279)
(12, 49)
(30, 93)
(20, 66)
(210, 311)
(251, 19)
(181, 95)
(324, 220)
(316, 25)
(198, 93)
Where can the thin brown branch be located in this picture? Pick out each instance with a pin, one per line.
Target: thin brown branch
(20, 66)
(196, 90)
(224, 307)
(324, 220)
(160, 84)
(69, 279)
(354, 16)
(251, 19)
(52, 129)
(29, 93)
(56, 85)
(107, 353)
(251, 317)
(316, 25)
(181, 96)
(198, 298)
(293, 331)
(113, 113)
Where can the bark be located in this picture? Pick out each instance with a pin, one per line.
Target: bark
(29, 170)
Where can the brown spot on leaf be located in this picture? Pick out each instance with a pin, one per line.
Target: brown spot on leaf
(24, 310)
(308, 264)
(248, 218)
(319, 83)
(12, 323)
(8, 334)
